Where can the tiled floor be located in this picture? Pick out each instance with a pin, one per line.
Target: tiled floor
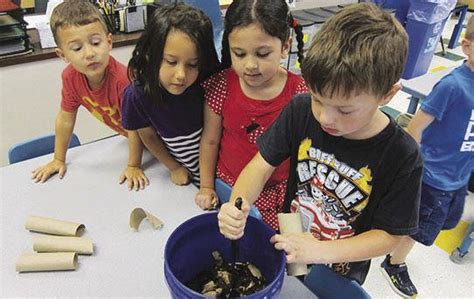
(430, 268)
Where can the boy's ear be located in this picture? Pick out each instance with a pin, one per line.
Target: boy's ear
(390, 94)
(466, 46)
(285, 48)
(60, 54)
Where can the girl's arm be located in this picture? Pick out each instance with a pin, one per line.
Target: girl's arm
(179, 174)
(248, 186)
(418, 124)
(208, 151)
(64, 127)
(133, 173)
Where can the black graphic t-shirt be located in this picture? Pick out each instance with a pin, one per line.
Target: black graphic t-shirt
(344, 187)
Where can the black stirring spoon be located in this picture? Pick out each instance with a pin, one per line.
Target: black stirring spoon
(234, 245)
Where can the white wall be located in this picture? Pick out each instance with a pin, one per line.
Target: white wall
(30, 96)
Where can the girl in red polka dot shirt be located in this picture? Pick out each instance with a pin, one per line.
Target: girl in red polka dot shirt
(246, 97)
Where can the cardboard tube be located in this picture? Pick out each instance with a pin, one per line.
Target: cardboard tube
(137, 216)
(34, 262)
(53, 226)
(63, 244)
(291, 223)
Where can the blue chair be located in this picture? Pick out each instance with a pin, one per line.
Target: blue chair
(213, 10)
(325, 283)
(390, 111)
(36, 147)
(223, 192)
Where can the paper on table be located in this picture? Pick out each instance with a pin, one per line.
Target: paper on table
(34, 262)
(50, 6)
(53, 226)
(137, 216)
(45, 35)
(63, 244)
(291, 223)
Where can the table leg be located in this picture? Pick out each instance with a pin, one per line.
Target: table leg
(458, 27)
(464, 247)
(413, 105)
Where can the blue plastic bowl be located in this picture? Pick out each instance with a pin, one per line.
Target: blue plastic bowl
(189, 250)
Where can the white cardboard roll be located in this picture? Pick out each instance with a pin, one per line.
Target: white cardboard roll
(63, 244)
(34, 262)
(53, 226)
(291, 223)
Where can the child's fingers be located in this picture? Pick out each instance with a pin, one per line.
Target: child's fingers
(231, 232)
(231, 221)
(201, 200)
(245, 207)
(34, 174)
(214, 200)
(281, 243)
(45, 176)
(62, 172)
(141, 183)
(136, 183)
(145, 178)
(122, 179)
(36, 177)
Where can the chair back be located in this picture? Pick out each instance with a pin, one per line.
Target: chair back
(36, 147)
(223, 191)
(325, 283)
(212, 9)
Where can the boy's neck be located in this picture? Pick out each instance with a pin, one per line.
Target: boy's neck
(96, 82)
(379, 122)
(469, 63)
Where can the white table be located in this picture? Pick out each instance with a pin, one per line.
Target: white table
(420, 87)
(125, 263)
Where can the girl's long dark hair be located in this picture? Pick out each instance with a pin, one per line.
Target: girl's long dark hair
(147, 56)
(274, 17)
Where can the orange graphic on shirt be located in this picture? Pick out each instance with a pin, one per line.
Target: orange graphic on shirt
(305, 145)
(363, 184)
(107, 115)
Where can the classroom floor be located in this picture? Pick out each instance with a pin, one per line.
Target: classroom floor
(430, 268)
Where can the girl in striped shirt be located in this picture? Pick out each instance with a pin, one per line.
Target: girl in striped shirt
(164, 102)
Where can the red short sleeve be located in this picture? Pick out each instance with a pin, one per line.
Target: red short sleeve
(70, 101)
(215, 91)
(301, 87)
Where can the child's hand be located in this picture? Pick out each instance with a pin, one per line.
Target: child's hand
(180, 176)
(232, 220)
(41, 174)
(299, 247)
(206, 198)
(135, 177)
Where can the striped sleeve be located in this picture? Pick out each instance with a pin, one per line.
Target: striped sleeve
(185, 149)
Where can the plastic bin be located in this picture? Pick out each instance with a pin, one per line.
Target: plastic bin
(212, 9)
(188, 251)
(399, 6)
(425, 23)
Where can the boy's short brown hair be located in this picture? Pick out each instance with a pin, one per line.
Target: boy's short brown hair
(360, 49)
(74, 13)
(470, 29)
